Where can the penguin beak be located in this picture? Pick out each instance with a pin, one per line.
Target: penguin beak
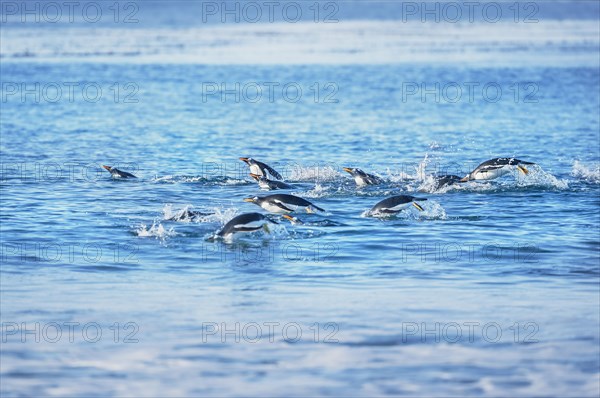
(251, 200)
(418, 206)
(255, 176)
(465, 179)
(291, 219)
(244, 160)
(107, 167)
(347, 169)
(523, 169)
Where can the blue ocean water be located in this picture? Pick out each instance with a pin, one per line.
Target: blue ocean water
(493, 290)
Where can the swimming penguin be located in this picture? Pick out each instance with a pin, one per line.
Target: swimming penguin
(187, 214)
(248, 222)
(445, 180)
(395, 204)
(261, 169)
(361, 178)
(282, 203)
(495, 168)
(265, 183)
(116, 173)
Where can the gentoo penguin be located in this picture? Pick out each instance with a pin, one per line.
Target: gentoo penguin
(265, 183)
(116, 173)
(248, 222)
(282, 203)
(361, 178)
(261, 169)
(395, 204)
(187, 214)
(444, 180)
(495, 168)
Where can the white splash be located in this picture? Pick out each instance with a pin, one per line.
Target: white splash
(410, 174)
(168, 212)
(421, 172)
(318, 191)
(589, 173)
(538, 177)
(157, 230)
(221, 215)
(314, 173)
(184, 214)
(172, 179)
(432, 210)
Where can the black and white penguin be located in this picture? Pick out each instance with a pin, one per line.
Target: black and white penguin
(265, 183)
(187, 215)
(261, 169)
(396, 204)
(248, 222)
(116, 173)
(495, 168)
(283, 203)
(361, 178)
(445, 180)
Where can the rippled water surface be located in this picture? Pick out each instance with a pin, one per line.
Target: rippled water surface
(492, 290)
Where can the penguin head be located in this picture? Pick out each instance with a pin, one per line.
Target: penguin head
(293, 220)
(252, 199)
(247, 160)
(354, 171)
(108, 168)
(468, 177)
